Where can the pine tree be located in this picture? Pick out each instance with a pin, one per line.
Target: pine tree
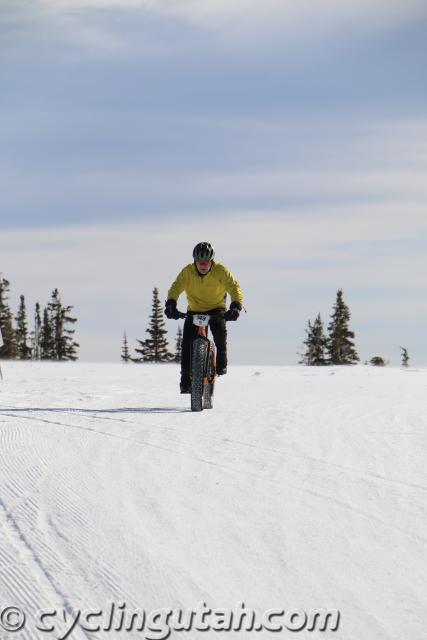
(56, 342)
(9, 349)
(36, 333)
(55, 314)
(67, 347)
(178, 345)
(155, 348)
(405, 357)
(306, 357)
(21, 333)
(47, 342)
(316, 343)
(64, 347)
(341, 349)
(125, 349)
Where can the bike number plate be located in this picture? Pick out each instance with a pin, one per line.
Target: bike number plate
(201, 319)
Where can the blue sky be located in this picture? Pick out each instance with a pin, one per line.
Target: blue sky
(293, 135)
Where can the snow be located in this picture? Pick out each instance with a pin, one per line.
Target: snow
(303, 488)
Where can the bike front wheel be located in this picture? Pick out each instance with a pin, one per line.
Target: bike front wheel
(199, 354)
(209, 382)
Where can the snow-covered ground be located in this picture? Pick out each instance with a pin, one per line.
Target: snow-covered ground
(304, 488)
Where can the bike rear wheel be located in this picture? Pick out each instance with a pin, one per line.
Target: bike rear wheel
(199, 354)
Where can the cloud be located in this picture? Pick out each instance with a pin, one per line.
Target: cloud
(141, 194)
(238, 14)
(75, 166)
(161, 59)
(109, 25)
(41, 27)
(251, 21)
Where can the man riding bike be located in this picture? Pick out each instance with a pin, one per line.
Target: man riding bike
(206, 283)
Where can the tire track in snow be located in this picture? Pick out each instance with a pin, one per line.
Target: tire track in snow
(257, 447)
(40, 574)
(42, 531)
(240, 443)
(331, 499)
(23, 491)
(219, 465)
(264, 478)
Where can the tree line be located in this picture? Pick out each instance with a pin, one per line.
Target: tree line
(337, 346)
(52, 336)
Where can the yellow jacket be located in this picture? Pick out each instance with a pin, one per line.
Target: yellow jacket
(208, 291)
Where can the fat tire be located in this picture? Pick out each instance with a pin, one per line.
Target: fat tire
(209, 387)
(198, 369)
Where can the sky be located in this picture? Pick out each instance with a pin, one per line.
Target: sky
(292, 136)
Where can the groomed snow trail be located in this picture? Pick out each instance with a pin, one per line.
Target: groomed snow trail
(303, 488)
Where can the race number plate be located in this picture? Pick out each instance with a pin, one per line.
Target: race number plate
(201, 319)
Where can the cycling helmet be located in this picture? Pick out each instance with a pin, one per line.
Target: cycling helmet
(203, 252)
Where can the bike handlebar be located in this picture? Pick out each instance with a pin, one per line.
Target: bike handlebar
(188, 314)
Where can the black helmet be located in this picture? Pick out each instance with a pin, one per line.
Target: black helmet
(203, 252)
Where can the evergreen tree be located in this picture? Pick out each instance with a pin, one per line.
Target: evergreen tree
(56, 337)
(21, 333)
(67, 347)
(341, 349)
(47, 343)
(316, 343)
(64, 347)
(155, 348)
(55, 314)
(178, 345)
(378, 361)
(9, 349)
(125, 349)
(405, 357)
(36, 333)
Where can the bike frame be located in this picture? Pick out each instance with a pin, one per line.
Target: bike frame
(203, 333)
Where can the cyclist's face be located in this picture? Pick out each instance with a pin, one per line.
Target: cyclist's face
(203, 267)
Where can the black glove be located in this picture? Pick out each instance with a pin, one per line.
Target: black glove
(234, 312)
(171, 311)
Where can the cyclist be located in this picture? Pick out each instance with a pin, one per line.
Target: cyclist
(206, 283)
